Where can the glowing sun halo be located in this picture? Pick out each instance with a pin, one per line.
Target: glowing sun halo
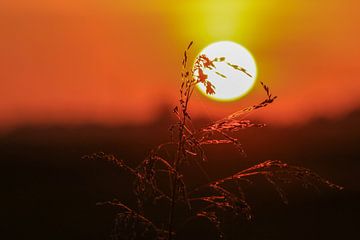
(236, 84)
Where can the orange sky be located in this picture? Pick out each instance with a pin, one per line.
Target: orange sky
(115, 62)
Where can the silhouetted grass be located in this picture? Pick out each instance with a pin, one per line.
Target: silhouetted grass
(216, 199)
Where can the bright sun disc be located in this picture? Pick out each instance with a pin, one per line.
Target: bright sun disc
(236, 84)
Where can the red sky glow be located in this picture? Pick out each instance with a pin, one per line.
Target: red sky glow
(110, 62)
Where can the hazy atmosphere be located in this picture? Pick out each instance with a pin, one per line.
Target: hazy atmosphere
(104, 134)
(114, 62)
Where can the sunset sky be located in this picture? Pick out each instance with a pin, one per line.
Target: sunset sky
(116, 62)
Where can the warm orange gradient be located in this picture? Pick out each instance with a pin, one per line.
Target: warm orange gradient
(114, 62)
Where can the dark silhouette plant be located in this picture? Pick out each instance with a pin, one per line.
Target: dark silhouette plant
(214, 200)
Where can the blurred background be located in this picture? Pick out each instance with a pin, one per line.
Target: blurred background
(77, 77)
(111, 62)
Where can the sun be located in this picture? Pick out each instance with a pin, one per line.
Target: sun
(236, 84)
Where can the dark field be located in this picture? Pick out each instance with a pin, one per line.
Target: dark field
(50, 192)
